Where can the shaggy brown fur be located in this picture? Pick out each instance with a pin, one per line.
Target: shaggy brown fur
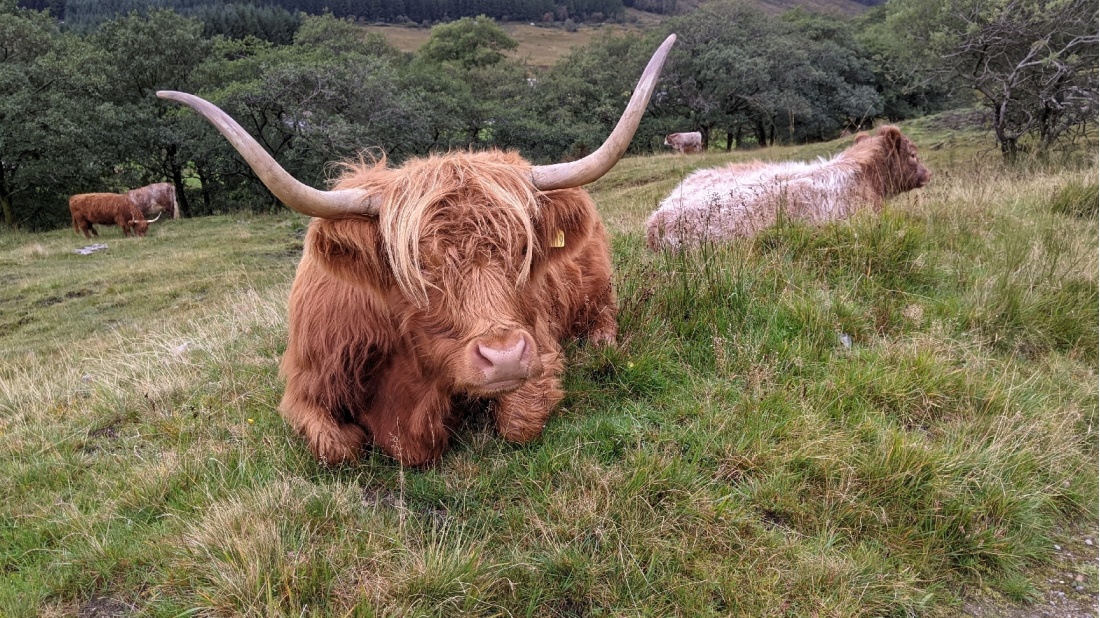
(89, 209)
(156, 198)
(392, 319)
(738, 200)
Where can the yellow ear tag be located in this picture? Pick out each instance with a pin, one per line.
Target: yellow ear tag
(559, 239)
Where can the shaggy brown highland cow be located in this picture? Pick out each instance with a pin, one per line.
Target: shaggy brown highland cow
(90, 209)
(738, 200)
(449, 279)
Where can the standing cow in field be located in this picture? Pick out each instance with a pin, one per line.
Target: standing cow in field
(685, 143)
(90, 209)
(155, 199)
(450, 279)
(738, 200)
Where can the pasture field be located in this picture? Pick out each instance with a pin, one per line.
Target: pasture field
(543, 45)
(891, 416)
(540, 46)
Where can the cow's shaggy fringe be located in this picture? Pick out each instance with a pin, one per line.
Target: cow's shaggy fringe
(452, 181)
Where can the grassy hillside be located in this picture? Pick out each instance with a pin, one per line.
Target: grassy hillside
(542, 45)
(731, 455)
(538, 45)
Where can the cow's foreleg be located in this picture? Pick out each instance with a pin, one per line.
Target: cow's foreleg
(602, 314)
(522, 414)
(597, 315)
(331, 441)
(408, 421)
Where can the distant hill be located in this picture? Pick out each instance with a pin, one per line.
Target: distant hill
(89, 13)
(542, 44)
(845, 8)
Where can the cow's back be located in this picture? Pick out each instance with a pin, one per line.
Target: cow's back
(155, 199)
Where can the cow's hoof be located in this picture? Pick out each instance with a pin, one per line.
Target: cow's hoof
(343, 445)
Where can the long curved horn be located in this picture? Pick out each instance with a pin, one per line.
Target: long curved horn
(590, 168)
(298, 196)
(153, 220)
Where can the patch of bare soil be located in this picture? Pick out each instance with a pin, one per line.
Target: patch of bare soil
(106, 607)
(1068, 588)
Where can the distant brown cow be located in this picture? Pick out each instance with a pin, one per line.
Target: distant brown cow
(712, 205)
(156, 198)
(685, 143)
(107, 209)
(451, 279)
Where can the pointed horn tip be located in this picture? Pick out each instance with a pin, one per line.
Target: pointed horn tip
(598, 163)
(178, 97)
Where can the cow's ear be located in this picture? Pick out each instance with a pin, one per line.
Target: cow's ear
(861, 137)
(564, 224)
(891, 134)
(350, 249)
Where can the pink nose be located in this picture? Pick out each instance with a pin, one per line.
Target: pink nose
(505, 360)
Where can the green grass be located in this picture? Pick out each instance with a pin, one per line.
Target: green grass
(729, 456)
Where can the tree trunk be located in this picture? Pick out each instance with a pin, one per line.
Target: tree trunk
(1009, 149)
(5, 202)
(176, 172)
(181, 197)
(1009, 145)
(9, 217)
(205, 182)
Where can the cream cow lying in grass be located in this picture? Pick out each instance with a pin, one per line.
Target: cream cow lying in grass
(740, 199)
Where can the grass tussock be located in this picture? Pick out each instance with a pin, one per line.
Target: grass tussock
(861, 419)
(1077, 199)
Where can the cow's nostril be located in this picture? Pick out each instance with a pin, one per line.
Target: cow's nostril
(500, 363)
(503, 356)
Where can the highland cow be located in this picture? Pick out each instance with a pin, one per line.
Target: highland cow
(739, 200)
(90, 209)
(450, 279)
(156, 198)
(685, 143)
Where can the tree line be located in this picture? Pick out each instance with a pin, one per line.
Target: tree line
(85, 14)
(78, 111)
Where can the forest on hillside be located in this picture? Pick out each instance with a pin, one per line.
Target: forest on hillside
(83, 14)
(78, 111)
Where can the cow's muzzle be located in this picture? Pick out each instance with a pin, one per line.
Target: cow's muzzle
(503, 362)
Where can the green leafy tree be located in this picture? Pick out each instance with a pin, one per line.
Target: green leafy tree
(585, 93)
(340, 36)
(50, 88)
(144, 54)
(1032, 63)
(307, 104)
(467, 43)
(800, 77)
(905, 88)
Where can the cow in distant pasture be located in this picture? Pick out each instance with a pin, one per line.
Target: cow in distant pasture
(685, 143)
(740, 199)
(156, 198)
(451, 280)
(90, 209)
